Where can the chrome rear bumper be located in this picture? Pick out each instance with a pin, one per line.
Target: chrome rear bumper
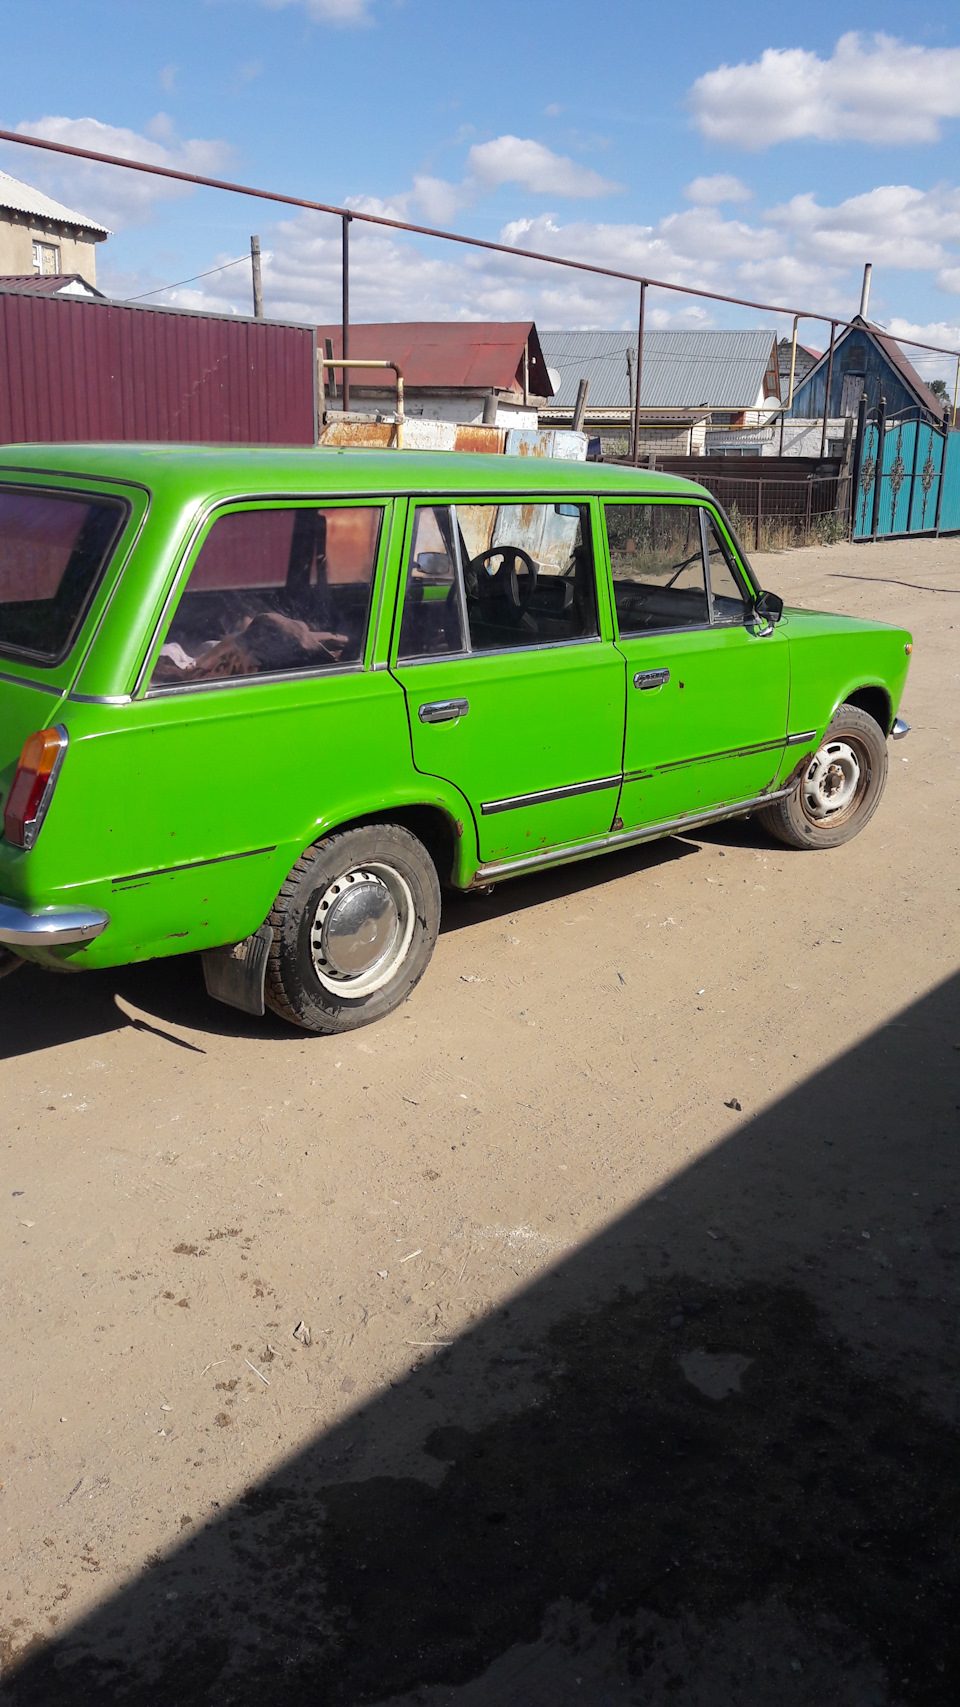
(50, 928)
(899, 729)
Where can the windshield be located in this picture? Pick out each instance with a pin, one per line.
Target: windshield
(54, 548)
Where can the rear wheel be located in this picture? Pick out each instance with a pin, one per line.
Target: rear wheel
(354, 927)
(840, 788)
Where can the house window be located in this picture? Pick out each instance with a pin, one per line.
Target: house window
(46, 259)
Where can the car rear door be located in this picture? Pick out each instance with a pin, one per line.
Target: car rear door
(514, 688)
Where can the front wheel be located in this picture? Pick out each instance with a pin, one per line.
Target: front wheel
(840, 788)
(354, 927)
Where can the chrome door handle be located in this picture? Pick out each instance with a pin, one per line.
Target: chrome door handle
(651, 679)
(443, 710)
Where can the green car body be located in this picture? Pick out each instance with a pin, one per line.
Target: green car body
(180, 808)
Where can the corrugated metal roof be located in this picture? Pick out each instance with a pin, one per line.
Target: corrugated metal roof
(681, 370)
(447, 355)
(23, 198)
(51, 284)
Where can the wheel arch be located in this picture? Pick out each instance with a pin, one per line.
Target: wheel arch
(875, 701)
(446, 838)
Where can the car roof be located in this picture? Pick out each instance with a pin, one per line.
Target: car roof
(216, 470)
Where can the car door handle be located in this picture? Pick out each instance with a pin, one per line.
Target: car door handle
(443, 710)
(651, 678)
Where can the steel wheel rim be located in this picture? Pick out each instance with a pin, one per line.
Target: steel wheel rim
(835, 781)
(362, 929)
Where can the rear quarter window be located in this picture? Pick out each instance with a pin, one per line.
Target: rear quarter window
(54, 549)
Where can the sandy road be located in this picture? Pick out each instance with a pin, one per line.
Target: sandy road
(548, 1120)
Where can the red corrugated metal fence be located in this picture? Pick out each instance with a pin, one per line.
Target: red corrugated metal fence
(74, 370)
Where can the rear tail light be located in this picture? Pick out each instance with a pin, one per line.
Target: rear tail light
(33, 786)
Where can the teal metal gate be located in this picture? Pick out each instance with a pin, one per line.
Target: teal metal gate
(908, 480)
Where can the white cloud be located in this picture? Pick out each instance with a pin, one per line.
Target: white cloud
(503, 160)
(167, 78)
(345, 14)
(111, 194)
(721, 187)
(520, 160)
(872, 89)
(893, 225)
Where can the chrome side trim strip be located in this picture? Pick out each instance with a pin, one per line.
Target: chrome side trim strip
(101, 698)
(572, 851)
(191, 865)
(798, 740)
(490, 806)
(54, 926)
(28, 682)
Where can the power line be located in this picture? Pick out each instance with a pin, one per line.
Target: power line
(208, 274)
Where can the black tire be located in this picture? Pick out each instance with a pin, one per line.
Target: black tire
(840, 788)
(334, 963)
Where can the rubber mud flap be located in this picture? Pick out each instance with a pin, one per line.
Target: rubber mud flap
(235, 974)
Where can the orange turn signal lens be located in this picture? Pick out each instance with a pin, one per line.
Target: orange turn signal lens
(33, 785)
(908, 648)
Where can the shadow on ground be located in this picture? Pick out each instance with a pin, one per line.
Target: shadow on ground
(41, 1010)
(710, 1459)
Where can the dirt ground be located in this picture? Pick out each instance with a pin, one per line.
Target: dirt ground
(628, 1254)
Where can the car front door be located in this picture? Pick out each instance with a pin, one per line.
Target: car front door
(514, 692)
(707, 683)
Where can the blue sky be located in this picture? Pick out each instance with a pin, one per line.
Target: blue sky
(765, 151)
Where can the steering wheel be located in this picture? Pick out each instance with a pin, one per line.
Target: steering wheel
(504, 582)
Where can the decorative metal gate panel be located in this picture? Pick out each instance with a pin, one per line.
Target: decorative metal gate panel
(950, 506)
(898, 490)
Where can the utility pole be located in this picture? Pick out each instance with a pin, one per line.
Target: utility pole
(257, 283)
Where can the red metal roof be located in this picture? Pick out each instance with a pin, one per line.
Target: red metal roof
(47, 284)
(447, 355)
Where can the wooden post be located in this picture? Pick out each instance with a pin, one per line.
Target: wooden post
(257, 282)
(580, 407)
(639, 379)
(345, 308)
(826, 395)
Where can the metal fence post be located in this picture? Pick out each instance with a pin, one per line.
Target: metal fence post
(639, 374)
(826, 399)
(878, 475)
(759, 512)
(345, 310)
(857, 461)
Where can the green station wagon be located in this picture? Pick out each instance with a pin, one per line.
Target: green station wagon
(268, 704)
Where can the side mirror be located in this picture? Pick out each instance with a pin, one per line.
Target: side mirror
(770, 606)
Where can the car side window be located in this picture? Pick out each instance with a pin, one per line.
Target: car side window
(727, 596)
(656, 556)
(521, 575)
(273, 590)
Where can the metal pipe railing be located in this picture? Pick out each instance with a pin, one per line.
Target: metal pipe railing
(431, 231)
(340, 361)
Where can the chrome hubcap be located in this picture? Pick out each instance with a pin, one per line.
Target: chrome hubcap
(362, 929)
(833, 781)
